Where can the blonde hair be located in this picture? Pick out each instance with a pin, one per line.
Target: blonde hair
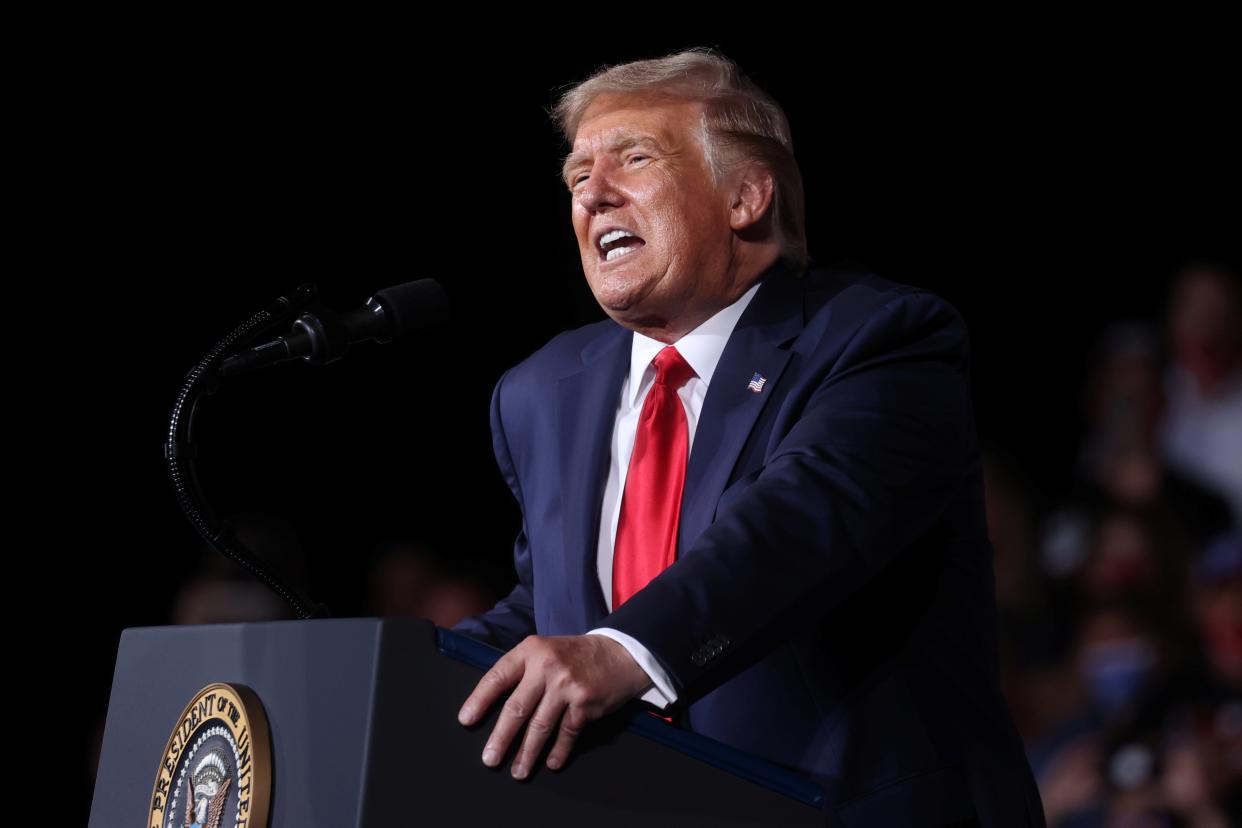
(741, 124)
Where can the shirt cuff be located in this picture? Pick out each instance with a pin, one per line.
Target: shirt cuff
(661, 694)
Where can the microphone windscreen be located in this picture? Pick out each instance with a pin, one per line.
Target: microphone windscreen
(414, 309)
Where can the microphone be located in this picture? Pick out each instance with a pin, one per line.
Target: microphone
(394, 314)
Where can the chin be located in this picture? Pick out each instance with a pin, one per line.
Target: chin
(618, 293)
(616, 306)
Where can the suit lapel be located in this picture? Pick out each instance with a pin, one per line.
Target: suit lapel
(758, 345)
(586, 409)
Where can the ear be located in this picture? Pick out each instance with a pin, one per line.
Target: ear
(753, 192)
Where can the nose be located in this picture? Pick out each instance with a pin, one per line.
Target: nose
(598, 192)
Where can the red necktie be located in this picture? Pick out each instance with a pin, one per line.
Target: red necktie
(647, 530)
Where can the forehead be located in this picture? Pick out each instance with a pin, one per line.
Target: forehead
(612, 118)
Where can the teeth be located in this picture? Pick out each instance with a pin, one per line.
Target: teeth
(618, 251)
(613, 236)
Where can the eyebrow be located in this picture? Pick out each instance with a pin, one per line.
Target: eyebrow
(624, 141)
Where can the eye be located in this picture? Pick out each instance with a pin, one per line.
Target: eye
(638, 156)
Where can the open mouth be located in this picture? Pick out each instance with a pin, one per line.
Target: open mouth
(619, 244)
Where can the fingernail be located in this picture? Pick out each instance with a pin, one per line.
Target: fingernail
(554, 763)
(519, 772)
(489, 757)
(465, 715)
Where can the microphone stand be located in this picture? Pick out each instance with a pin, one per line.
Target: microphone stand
(180, 452)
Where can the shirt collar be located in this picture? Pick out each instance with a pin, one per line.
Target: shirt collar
(701, 348)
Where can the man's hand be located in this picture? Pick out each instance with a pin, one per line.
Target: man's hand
(560, 679)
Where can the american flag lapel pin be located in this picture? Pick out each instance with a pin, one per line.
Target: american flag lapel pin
(756, 382)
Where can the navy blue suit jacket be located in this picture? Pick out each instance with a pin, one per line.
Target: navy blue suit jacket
(832, 603)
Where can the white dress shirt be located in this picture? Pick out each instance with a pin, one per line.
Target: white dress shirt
(1200, 434)
(701, 348)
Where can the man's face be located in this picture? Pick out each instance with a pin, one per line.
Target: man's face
(638, 165)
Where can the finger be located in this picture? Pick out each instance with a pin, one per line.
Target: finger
(572, 722)
(542, 725)
(504, 674)
(513, 715)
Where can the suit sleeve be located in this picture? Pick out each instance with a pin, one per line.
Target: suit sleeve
(881, 446)
(513, 617)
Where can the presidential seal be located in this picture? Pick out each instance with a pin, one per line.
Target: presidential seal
(216, 771)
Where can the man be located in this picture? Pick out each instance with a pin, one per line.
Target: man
(811, 582)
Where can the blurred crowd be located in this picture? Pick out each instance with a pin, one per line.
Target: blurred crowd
(1120, 598)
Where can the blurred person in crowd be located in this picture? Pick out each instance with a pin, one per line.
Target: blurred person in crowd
(221, 592)
(1033, 635)
(1202, 429)
(1201, 778)
(1121, 651)
(1132, 554)
(1216, 606)
(1119, 660)
(1121, 397)
(1120, 459)
(408, 580)
(1126, 558)
(1010, 513)
(1177, 767)
(1114, 554)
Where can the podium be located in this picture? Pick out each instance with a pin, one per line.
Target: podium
(361, 718)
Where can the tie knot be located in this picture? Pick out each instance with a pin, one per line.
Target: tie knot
(671, 368)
